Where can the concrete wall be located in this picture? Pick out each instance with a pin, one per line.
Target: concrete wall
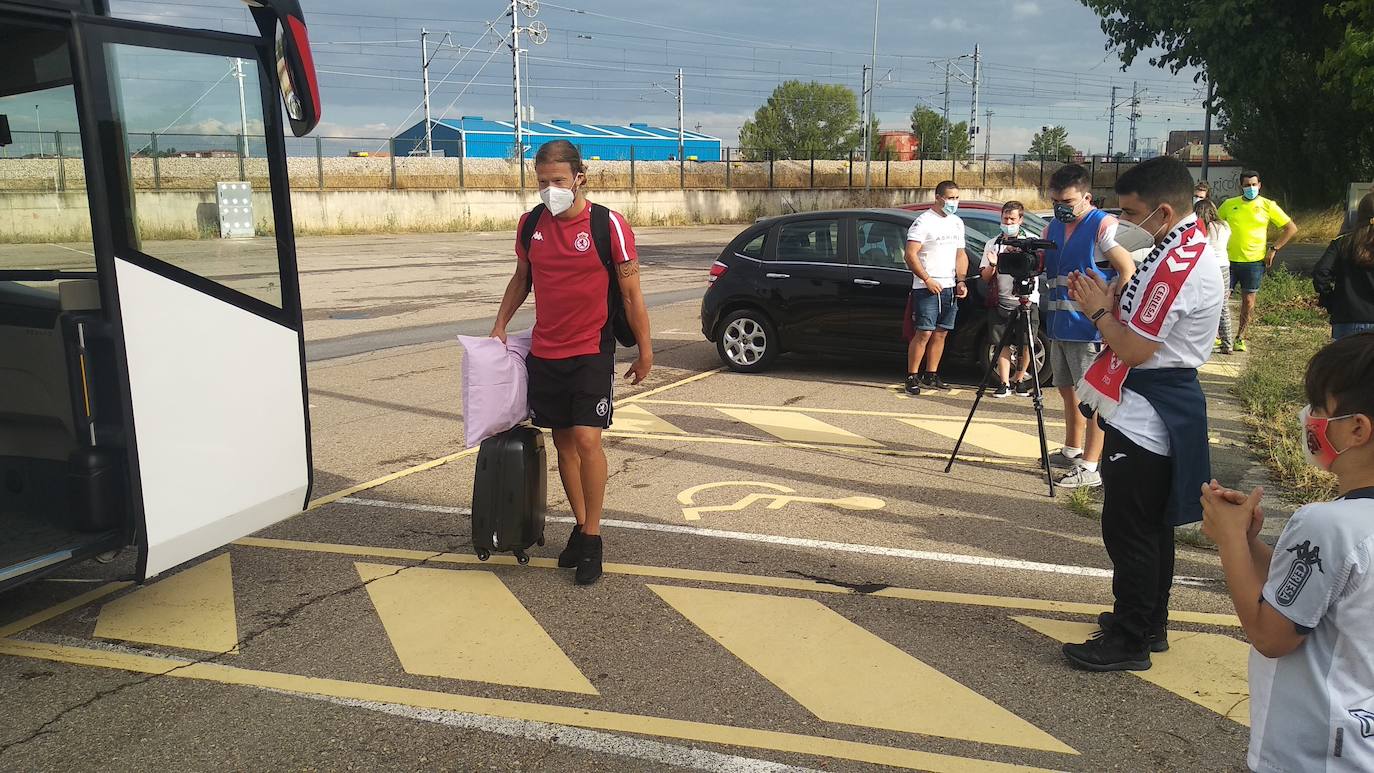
(46, 216)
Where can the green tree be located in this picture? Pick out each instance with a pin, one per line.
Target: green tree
(1052, 144)
(930, 126)
(1292, 80)
(803, 118)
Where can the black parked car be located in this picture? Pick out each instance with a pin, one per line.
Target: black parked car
(837, 282)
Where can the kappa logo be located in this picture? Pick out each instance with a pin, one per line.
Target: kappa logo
(538, 236)
(1299, 572)
(583, 242)
(1366, 719)
(603, 407)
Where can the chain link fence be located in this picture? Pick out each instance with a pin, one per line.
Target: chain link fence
(51, 161)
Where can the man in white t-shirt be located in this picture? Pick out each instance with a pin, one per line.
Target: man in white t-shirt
(1006, 303)
(936, 256)
(1145, 388)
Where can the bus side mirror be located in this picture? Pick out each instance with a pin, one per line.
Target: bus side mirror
(300, 88)
(5, 137)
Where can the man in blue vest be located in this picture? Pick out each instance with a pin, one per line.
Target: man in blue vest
(1087, 243)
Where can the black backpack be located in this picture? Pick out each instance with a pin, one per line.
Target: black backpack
(601, 237)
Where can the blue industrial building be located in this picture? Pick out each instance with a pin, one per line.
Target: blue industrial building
(476, 137)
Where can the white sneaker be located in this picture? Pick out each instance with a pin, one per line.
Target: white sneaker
(1081, 478)
(1059, 459)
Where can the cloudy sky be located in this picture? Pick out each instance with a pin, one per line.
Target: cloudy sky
(1045, 62)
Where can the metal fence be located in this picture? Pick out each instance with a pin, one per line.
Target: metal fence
(195, 162)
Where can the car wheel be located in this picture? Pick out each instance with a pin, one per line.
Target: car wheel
(748, 342)
(1042, 358)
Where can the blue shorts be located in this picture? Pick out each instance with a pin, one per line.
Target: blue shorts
(1341, 330)
(1247, 275)
(930, 311)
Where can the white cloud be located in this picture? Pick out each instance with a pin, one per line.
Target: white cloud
(215, 126)
(1023, 8)
(957, 24)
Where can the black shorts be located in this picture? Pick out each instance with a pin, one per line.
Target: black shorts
(999, 318)
(576, 392)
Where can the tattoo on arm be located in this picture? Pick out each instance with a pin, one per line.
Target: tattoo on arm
(629, 268)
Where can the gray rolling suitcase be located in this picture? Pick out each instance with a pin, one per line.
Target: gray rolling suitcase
(509, 495)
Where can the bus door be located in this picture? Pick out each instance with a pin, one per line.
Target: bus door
(190, 139)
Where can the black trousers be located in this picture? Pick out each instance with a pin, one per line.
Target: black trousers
(1137, 533)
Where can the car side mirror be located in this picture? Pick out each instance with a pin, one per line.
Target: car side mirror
(296, 78)
(5, 137)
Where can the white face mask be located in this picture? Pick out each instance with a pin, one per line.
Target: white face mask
(558, 200)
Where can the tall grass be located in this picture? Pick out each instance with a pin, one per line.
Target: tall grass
(1321, 225)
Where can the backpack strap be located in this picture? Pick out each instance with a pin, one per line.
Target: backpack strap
(530, 225)
(601, 236)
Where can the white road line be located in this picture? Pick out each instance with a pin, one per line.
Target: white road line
(843, 547)
(573, 737)
(71, 249)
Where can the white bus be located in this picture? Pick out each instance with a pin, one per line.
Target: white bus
(152, 380)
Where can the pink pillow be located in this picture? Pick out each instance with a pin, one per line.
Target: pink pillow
(495, 385)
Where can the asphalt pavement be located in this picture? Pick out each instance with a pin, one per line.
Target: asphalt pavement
(793, 582)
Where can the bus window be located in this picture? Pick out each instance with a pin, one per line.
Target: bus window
(45, 218)
(190, 121)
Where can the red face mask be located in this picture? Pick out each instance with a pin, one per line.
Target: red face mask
(1320, 453)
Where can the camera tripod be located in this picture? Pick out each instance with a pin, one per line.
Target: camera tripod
(1018, 329)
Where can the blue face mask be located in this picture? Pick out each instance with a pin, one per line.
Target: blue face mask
(1064, 213)
(1250, 192)
(951, 207)
(1010, 230)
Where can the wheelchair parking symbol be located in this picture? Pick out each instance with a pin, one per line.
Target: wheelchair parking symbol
(785, 496)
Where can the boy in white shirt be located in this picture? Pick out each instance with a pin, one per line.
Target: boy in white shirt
(1307, 604)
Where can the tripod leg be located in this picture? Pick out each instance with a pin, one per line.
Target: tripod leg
(1037, 398)
(1007, 337)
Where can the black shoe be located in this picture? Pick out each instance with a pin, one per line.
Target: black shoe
(1003, 390)
(1158, 639)
(934, 381)
(589, 565)
(568, 558)
(1024, 388)
(913, 384)
(1108, 651)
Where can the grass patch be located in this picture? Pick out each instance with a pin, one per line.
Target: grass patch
(1085, 503)
(1319, 225)
(1192, 536)
(1290, 329)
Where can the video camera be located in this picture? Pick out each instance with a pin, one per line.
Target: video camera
(1024, 258)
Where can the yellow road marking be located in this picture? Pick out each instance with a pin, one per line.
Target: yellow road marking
(797, 427)
(732, 578)
(561, 715)
(467, 625)
(843, 673)
(1206, 668)
(632, 418)
(999, 440)
(361, 487)
(844, 412)
(192, 609)
(57, 610)
(849, 450)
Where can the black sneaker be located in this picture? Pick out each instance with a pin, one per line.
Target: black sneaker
(1024, 387)
(913, 384)
(568, 558)
(934, 381)
(1108, 651)
(589, 565)
(1003, 390)
(1158, 639)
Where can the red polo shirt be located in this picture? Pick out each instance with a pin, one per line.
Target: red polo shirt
(570, 283)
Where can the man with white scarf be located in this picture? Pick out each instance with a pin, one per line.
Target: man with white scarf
(1144, 386)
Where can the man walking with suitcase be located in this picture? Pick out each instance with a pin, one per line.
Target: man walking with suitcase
(572, 358)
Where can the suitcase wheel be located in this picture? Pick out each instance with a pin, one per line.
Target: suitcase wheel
(483, 555)
(521, 557)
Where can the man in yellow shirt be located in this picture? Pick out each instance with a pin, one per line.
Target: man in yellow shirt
(1250, 216)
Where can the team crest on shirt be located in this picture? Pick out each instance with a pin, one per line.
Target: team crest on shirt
(1299, 572)
(583, 242)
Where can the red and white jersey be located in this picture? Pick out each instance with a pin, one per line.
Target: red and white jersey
(1174, 299)
(570, 284)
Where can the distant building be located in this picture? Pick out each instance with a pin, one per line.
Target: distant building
(476, 137)
(1193, 152)
(899, 145)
